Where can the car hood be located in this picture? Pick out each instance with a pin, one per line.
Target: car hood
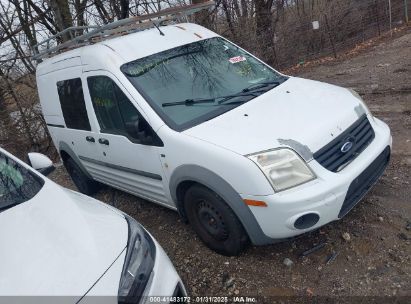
(58, 243)
(299, 113)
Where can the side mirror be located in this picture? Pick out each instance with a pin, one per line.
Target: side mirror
(145, 138)
(137, 129)
(143, 133)
(40, 162)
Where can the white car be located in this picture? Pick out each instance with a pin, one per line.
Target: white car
(57, 242)
(182, 117)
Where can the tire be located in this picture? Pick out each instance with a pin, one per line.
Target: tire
(214, 221)
(83, 183)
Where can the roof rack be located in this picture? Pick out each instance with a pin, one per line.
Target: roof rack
(85, 35)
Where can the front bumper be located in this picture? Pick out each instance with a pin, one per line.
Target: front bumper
(330, 196)
(165, 283)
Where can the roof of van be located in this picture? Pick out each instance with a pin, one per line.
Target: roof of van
(131, 47)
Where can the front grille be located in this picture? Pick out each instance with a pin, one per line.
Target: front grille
(360, 186)
(333, 157)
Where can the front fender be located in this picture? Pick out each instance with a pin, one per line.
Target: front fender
(211, 180)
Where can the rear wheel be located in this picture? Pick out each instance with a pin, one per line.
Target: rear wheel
(214, 221)
(83, 183)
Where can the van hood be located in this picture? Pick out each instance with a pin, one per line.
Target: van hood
(302, 114)
(59, 243)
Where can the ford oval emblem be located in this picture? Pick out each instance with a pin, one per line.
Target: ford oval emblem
(347, 146)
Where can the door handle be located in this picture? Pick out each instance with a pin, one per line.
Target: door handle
(90, 139)
(103, 141)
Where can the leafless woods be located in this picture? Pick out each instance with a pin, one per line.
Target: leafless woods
(281, 32)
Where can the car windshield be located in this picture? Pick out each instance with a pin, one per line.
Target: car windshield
(195, 82)
(17, 184)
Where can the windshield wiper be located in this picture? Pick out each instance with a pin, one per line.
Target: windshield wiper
(188, 102)
(253, 90)
(261, 85)
(239, 94)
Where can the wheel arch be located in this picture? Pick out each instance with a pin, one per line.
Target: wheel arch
(66, 152)
(186, 175)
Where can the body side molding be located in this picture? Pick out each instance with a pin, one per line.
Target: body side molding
(121, 168)
(55, 125)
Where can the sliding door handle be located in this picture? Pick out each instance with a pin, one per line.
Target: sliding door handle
(90, 139)
(103, 141)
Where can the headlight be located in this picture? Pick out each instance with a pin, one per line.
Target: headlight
(283, 168)
(363, 104)
(138, 263)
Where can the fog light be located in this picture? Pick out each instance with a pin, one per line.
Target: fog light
(306, 221)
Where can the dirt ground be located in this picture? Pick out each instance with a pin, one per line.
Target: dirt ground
(373, 266)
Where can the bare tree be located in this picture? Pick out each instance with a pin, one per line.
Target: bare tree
(278, 31)
(62, 16)
(80, 10)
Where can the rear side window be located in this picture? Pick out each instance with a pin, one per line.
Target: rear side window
(115, 113)
(72, 104)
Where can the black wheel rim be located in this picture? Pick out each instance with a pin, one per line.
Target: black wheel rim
(212, 221)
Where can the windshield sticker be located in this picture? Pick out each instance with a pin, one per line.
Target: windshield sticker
(237, 59)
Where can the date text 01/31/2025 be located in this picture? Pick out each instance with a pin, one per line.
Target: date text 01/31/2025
(235, 299)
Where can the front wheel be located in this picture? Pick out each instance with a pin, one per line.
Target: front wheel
(214, 221)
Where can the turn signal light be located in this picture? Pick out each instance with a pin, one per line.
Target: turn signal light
(255, 203)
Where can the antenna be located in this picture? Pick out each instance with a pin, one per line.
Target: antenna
(161, 33)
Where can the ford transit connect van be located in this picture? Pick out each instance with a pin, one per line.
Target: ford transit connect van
(182, 117)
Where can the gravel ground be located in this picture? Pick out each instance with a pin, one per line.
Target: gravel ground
(368, 250)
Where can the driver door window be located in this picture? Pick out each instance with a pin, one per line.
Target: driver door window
(114, 111)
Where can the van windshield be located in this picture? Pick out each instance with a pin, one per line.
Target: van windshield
(190, 84)
(17, 184)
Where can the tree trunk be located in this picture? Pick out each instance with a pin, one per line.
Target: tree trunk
(330, 36)
(228, 17)
(264, 28)
(104, 15)
(9, 89)
(43, 17)
(23, 15)
(62, 16)
(202, 17)
(124, 9)
(80, 8)
(5, 121)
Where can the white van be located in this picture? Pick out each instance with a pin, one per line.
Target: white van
(182, 117)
